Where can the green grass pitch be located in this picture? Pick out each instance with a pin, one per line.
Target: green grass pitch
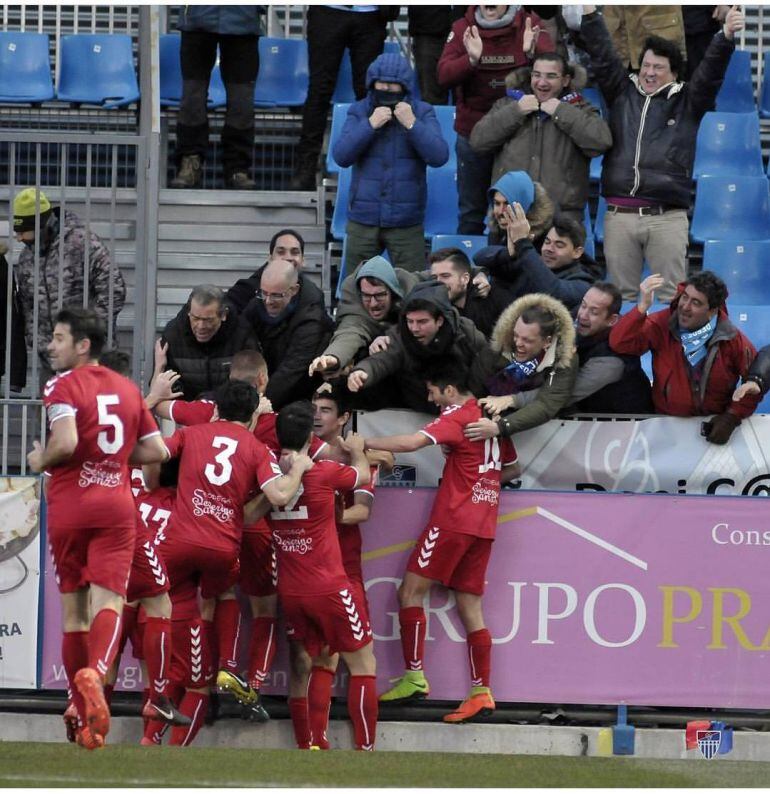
(47, 764)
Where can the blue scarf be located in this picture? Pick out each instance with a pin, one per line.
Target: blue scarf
(519, 371)
(694, 342)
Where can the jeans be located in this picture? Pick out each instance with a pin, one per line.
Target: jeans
(474, 178)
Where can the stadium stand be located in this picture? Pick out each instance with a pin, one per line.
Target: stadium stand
(441, 209)
(467, 243)
(731, 208)
(283, 73)
(170, 70)
(743, 266)
(728, 144)
(25, 69)
(737, 92)
(764, 102)
(339, 112)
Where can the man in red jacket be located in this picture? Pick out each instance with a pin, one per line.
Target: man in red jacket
(698, 355)
(482, 48)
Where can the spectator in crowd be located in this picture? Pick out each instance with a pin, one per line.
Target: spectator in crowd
(698, 355)
(630, 25)
(330, 30)
(562, 269)
(293, 328)
(546, 128)
(758, 379)
(369, 305)
(429, 328)
(453, 269)
(481, 49)
(607, 383)
(428, 28)
(61, 234)
(200, 342)
(536, 336)
(235, 30)
(647, 175)
(286, 245)
(700, 25)
(18, 363)
(518, 187)
(389, 137)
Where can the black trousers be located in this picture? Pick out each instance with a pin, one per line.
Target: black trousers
(427, 50)
(239, 63)
(329, 32)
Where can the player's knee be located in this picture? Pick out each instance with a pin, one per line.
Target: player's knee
(300, 662)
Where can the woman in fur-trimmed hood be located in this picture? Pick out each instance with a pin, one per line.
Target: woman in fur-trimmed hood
(537, 336)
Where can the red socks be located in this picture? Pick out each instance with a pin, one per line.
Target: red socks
(362, 708)
(300, 722)
(261, 650)
(74, 654)
(412, 620)
(193, 705)
(157, 653)
(319, 699)
(103, 640)
(479, 656)
(227, 619)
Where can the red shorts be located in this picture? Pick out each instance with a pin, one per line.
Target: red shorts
(455, 559)
(359, 593)
(258, 564)
(190, 657)
(332, 619)
(100, 556)
(213, 570)
(148, 571)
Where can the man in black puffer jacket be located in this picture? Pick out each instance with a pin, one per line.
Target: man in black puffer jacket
(647, 175)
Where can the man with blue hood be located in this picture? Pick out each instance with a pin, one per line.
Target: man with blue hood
(389, 137)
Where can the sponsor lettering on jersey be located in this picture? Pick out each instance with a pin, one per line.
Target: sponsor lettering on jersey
(107, 473)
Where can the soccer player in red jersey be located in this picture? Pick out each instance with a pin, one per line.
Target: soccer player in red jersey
(98, 424)
(318, 602)
(222, 465)
(455, 546)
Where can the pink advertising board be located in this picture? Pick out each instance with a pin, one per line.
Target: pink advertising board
(591, 598)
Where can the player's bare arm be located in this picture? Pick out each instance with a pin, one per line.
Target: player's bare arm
(404, 443)
(353, 444)
(359, 511)
(62, 440)
(255, 509)
(149, 450)
(282, 490)
(381, 458)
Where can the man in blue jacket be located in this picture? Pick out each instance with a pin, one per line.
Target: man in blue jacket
(389, 137)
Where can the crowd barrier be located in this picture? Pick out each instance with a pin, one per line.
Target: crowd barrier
(592, 598)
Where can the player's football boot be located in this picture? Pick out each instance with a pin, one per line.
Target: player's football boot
(228, 681)
(255, 712)
(411, 686)
(70, 718)
(89, 684)
(164, 710)
(88, 740)
(479, 704)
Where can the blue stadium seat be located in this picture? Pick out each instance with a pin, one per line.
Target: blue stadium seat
(446, 119)
(340, 214)
(595, 169)
(731, 208)
(170, 70)
(343, 91)
(743, 266)
(283, 73)
(339, 114)
(601, 208)
(25, 67)
(596, 98)
(764, 102)
(441, 208)
(98, 69)
(217, 97)
(467, 243)
(737, 92)
(590, 246)
(728, 144)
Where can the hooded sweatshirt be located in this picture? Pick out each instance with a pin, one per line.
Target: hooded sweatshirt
(388, 188)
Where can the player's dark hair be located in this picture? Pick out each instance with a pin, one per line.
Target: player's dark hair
(338, 394)
(544, 317)
(608, 288)
(447, 371)
(294, 425)
(117, 361)
(236, 400)
(457, 257)
(710, 285)
(293, 233)
(84, 324)
(664, 48)
(566, 227)
(169, 473)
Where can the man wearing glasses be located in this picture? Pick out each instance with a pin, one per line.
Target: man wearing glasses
(200, 342)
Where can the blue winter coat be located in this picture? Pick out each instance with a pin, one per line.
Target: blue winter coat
(388, 187)
(224, 20)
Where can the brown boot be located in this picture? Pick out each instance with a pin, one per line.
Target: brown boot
(240, 180)
(189, 173)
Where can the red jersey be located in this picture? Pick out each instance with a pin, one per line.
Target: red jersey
(155, 509)
(305, 533)
(350, 534)
(221, 467)
(468, 495)
(93, 487)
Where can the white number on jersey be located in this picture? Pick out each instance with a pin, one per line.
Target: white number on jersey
(160, 519)
(491, 456)
(103, 402)
(288, 512)
(228, 447)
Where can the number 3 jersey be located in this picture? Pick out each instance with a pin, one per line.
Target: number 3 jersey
(305, 533)
(221, 467)
(469, 492)
(93, 487)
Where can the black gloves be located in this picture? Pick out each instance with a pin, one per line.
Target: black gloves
(719, 429)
